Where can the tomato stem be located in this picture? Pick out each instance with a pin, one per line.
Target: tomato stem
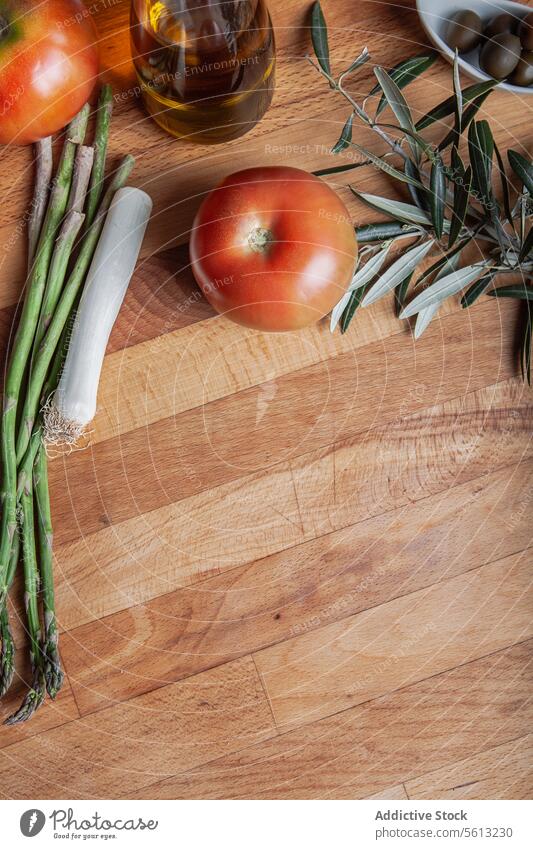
(259, 239)
(4, 26)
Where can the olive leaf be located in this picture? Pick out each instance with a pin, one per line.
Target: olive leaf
(419, 195)
(527, 247)
(477, 289)
(517, 290)
(448, 285)
(400, 293)
(428, 313)
(319, 37)
(481, 149)
(397, 272)
(458, 166)
(441, 266)
(396, 209)
(360, 278)
(447, 107)
(423, 318)
(345, 137)
(458, 98)
(461, 193)
(370, 268)
(338, 310)
(363, 57)
(383, 165)
(522, 168)
(505, 187)
(468, 116)
(437, 197)
(337, 169)
(354, 302)
(525, 350)
(380, 232)
(397, 103)
(403, 73)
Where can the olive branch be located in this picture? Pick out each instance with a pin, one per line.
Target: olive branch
(452, 201)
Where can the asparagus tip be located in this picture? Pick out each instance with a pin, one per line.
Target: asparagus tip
(7, 663)
(52, 669)
(32, 701)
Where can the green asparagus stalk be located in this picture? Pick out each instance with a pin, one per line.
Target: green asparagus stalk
(7, 653)
(52, 663)
(24, 339)
(101, 136)
(37, 692)
(61, 256)
(64, 307)
(43, 178)
(80, 178)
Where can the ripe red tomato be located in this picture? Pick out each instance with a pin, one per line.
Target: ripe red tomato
(273, 248)
(48, 66)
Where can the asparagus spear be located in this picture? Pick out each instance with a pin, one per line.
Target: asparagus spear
(7, 654)
(80, 181)
(44, 167)
(101, 136)
(43, 177)
(36, 694)
(24, 339)
(80, 178)
(36, 464)
(52, 663)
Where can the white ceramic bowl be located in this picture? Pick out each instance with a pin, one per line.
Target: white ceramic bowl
(435, 15)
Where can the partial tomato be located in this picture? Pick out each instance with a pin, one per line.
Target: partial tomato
(48, 66)
(273, 248)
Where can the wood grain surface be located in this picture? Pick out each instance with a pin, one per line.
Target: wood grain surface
(287, 566)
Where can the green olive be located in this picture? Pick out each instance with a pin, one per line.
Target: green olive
(523, 73)
(525, 32)
(464, 31)
(499, 56)
(498, 24)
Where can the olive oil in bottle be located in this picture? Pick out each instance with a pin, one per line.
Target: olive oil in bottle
(206, 67)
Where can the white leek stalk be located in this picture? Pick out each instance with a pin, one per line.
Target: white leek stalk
(73, 406)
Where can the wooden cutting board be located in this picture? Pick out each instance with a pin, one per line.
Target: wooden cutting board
(296, 565)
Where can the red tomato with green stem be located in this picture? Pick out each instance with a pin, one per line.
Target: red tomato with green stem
(48, 66)
(273, 248)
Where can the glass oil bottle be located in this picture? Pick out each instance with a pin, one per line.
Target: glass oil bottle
(206, 67)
